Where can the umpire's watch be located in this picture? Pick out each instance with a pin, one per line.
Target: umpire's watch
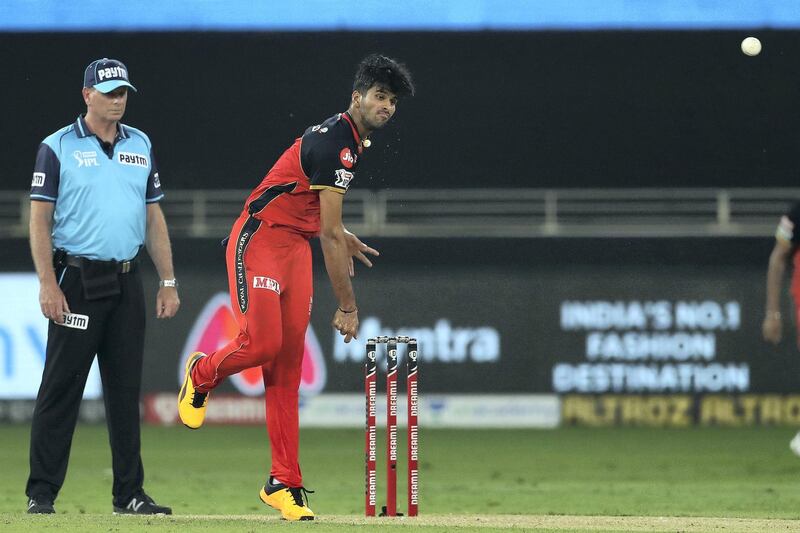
(168, 283)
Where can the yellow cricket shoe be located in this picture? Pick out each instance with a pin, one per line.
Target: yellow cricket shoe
(289, 501)
(192, 404)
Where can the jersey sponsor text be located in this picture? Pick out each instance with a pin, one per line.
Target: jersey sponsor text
(262, 282)
(38, 179)
(347, 158)
(128, 158)
(75, 321)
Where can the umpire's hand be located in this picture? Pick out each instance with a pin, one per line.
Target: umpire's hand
(167, 302)
(52, 301)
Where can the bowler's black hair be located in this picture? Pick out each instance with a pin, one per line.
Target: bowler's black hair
(376, 69)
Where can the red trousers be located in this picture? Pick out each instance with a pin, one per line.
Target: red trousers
(270, 280)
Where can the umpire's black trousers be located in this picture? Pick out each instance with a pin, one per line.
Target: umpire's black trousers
(115, 332)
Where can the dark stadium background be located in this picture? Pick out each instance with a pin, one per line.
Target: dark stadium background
(494, 109)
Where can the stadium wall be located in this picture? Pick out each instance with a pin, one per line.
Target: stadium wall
(644, 331)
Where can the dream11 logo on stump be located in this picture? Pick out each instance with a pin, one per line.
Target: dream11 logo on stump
(216, 326)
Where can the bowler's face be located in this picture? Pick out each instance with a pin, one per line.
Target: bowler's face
(107, 106)
(378, 106)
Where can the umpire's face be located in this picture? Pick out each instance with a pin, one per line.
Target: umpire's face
(108, 106)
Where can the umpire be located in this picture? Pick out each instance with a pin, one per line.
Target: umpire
(94, 204)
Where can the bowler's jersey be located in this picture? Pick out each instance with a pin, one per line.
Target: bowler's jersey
(100, 191)
(325, 157)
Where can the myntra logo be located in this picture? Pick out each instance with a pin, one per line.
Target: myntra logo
(215, 326)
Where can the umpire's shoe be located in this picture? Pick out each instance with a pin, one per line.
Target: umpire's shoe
(289, 501)
(192, 404)
(40, 505)
(141, 503)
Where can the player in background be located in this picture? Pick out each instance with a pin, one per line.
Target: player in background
(787, 237)
(270, 276)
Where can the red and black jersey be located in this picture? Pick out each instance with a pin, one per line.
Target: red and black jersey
(325, 157)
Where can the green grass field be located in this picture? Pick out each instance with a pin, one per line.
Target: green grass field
(479, 480)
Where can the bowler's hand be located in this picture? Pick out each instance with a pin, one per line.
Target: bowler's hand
(346, 324)
(167, 302)
(772, 329)
(357, 249)
(52, 301)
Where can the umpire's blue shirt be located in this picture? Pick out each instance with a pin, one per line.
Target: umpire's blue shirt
(100, 191)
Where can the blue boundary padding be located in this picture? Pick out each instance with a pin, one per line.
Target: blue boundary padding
(373, 15)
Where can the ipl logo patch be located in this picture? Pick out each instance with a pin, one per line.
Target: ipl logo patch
(343, 178)
(86, 159)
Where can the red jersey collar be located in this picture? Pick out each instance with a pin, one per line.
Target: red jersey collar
(349, 119)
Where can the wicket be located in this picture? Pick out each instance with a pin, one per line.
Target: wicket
(370, 381)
